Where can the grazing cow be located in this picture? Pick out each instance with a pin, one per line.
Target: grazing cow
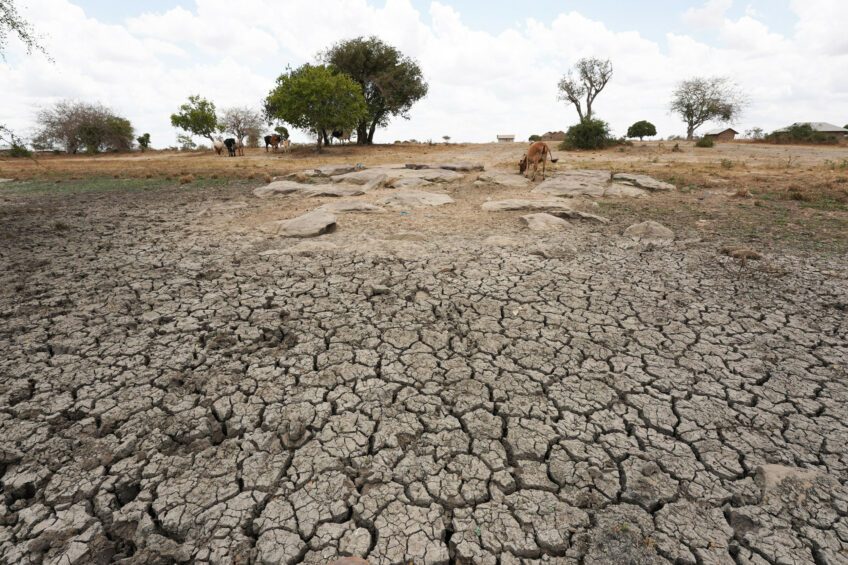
(274, 141)
(231, 146)
(240, 147)
(341, 135)
(286, 146)
(267, 142)
(218, 146)
(537, 152)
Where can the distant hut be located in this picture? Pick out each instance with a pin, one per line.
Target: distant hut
(554, 136)
(727, 134)
(506, 138)
(819, 127)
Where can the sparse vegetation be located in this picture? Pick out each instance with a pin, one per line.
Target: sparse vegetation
(802, 133)
(700, 100)
(588, 78)
(727, 163)
(705, 142)
(81, 126)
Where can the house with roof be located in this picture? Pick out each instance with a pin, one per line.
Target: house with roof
(819, 127)
(506, 138)
(722, 134)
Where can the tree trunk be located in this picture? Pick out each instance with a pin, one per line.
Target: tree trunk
(371, 133)
(690, 132)
(362, 133)
(319, 142)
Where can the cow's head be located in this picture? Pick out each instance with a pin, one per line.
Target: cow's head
(522, 164)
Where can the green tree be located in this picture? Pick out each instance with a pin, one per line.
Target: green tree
(12, 22)
(391, 82)
(700, 100)
(535, 137)
(641, 129)
(316, 98)
(282, 132)
(197, 117)
(76, 126)
(588, 78)
(144, 142)
(588, 134)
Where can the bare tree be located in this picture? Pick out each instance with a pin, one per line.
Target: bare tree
(241, 122)
(11, 21)
(77, 126)
(700, 100)
(588, 78)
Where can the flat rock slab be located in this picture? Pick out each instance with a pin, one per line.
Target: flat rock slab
(415, 199)
(370, 177)
(503, 179)
(6, 180)
(576, 183)
(543, 222)
(409, 182)
(578, 215)
(519, 204)
(334, 170)
(642, 181)
(649, 231)
(279, 188)
(312, 224)
(460, 166)
(349, 206)
(329, 190)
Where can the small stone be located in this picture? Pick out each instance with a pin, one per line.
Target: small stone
(649, 231)
(415, 199)
(544, 222)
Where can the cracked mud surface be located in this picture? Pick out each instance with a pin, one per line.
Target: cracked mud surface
(169, 394)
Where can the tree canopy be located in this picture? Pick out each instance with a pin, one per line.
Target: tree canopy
(317, 98)
(390, 81)
(241, 122)
(642, 129)
(12, 23)
(588, 78)
(76, 126)
(197, 116)
(699, 100)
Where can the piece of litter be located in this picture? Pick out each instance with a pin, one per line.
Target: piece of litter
(407, 213)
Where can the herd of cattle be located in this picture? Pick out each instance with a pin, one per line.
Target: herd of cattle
(235, 146)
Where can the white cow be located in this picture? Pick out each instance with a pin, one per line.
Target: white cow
(218, 146)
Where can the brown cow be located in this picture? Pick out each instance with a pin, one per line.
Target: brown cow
(274, 141)
(538, 151)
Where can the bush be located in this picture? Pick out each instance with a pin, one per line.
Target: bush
(79, 126)
(727, 163)
(535, 138)
(18, 150)
(705, 142)
(589, 134)
(801, 133)
(642, 129)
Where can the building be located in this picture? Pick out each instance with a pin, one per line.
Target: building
(554, 136)
(819, 127)
(725, 134)
(506, 138)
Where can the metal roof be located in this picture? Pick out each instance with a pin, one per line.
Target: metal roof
(720, 130)
(822, 127)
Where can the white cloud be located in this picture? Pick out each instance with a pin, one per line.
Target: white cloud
(709, 15)
(481, 84)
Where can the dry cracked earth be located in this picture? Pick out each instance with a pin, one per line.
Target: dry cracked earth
(169, 394)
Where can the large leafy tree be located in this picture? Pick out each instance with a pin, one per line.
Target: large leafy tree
(700, 100)
(641, 129)
(586, 80)
(197, 116)
(391, 82)
(317, 98)
(77, 126)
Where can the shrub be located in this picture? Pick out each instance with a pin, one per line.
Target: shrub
(186, 179)
(642, 129)
(79, 126)
(535, 138)
(589, 134)
(676, 148)
(801, 133)
(143, 142)
(705, 142)
(19, 151)
(727, 163)
(267, 177)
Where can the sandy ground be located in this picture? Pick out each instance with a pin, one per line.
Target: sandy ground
(178, 386)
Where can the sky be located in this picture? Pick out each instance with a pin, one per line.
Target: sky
(492, 67)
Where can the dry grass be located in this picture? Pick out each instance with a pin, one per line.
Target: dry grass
(187, 179)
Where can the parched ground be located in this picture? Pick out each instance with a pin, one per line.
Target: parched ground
(177, 386)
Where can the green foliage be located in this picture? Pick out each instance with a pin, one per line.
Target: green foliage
(802, 133)
(391, 82)
(19, 151)
(727, 163)
(588, 134)
(282, 132)
(705, 142)
(143, 142)
(197, 117)
(186, 142)
(18, 148)
(642, 129)
(700, 100)
(81, 126)
(316, 98)
(535, 138)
